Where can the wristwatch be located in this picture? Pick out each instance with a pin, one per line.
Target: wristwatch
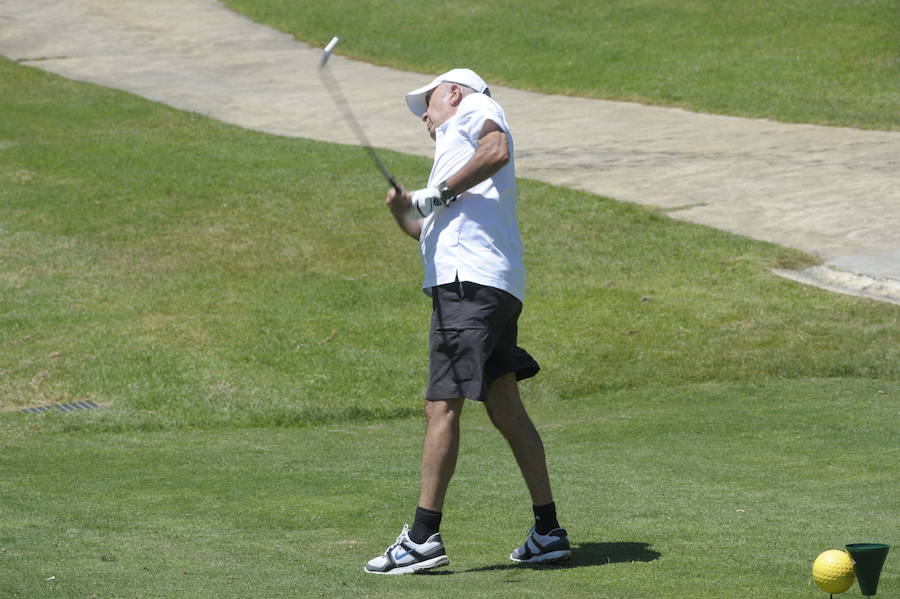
(448, 196)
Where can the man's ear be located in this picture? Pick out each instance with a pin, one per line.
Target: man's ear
(456, 94)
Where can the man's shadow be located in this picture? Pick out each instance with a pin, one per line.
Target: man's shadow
(583, 555)
(599, 554)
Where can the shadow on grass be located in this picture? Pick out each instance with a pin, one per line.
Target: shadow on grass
(583, 555)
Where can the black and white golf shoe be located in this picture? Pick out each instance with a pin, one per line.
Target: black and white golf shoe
(543, 549)
(406, 557)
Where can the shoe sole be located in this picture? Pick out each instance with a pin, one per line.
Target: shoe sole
(545, 558)
(436, 562)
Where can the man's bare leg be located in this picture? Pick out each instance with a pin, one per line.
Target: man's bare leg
(504, 406)
(439, 452)
(421, 548)
(547, 541)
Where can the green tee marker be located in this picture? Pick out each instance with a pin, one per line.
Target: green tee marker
(868, 559)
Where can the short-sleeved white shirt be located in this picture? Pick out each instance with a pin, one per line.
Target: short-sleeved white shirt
(477, 237)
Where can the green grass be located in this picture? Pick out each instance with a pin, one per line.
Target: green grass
(810, 61)
(704, 491)
(247, 313)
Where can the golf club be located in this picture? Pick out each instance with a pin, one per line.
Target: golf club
(331, 84)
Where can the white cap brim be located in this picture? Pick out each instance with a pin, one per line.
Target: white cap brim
(415, 99)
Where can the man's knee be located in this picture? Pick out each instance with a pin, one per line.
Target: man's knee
(442, 411)
(507, 413)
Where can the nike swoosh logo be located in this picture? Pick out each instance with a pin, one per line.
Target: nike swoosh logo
(400, 556)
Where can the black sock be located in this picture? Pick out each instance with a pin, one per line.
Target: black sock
(545, 518)
(425, 524)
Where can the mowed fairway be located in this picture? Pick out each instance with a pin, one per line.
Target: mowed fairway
(247, 313)
(809, 61)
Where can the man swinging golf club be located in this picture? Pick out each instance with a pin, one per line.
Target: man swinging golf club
(466, 224)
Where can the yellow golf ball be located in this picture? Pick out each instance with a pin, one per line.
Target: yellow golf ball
(833, 571)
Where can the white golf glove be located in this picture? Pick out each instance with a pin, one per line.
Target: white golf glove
(424, 201)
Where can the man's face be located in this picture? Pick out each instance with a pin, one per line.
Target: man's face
(442, 103)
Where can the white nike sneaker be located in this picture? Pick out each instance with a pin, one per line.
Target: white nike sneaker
(543, 549)
(406, 557)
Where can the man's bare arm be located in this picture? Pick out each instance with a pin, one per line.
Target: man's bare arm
(490, 156)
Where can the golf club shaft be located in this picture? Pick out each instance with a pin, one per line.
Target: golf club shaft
(331, 84)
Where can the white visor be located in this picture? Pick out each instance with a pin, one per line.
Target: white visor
(416, 98)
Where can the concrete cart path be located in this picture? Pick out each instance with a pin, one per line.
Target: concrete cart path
(831, 192)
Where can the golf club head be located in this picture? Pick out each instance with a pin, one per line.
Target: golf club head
(326, 53)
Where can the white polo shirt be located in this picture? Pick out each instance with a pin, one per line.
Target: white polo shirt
(477, 237)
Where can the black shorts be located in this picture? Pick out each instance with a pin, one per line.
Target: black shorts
(473, 341)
